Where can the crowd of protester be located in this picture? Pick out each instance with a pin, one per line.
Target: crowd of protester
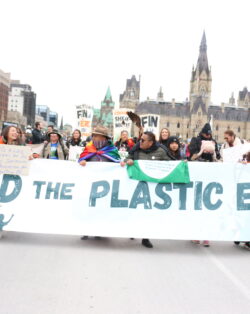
(99, 147)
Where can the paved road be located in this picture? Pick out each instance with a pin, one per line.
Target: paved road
(62, 274)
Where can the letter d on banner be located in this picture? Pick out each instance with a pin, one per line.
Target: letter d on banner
(7, 178)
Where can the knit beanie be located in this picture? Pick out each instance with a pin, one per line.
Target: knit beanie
(206, 129)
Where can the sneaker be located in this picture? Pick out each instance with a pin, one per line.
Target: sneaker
(206, 243)
(196, 241)
(147, 243)
(84, 238)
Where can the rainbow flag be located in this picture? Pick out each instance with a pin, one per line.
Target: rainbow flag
(110, 152)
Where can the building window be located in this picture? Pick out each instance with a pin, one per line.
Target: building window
(217, 128)
(167, 124)
(187, 135)
(187, 125)
(228, 127)
(178, 125)
(239, 129)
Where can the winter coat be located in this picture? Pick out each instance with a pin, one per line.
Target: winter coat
(37, 137)
(195, 147)
(62, 151)
(155, 152)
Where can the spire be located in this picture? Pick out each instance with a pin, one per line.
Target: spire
(160, 95)
(61, 126)
(108, 95)
(202, 63)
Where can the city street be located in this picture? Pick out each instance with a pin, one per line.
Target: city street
(63, 275)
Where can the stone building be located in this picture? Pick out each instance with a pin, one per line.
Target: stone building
(131, 96)
(186, 119)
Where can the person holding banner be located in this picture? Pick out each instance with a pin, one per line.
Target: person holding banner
(100, 149)
(55, 148)
(204, 148)
(147, 149)
(231, 140)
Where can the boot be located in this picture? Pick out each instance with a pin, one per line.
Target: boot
(147, 243)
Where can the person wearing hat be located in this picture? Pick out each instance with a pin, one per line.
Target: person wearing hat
(100, 148)
(55, 148)
(173, 148)
(204, 147)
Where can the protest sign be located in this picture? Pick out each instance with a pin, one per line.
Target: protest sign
(75, 152)
(235, 153)
(121, 122)
(14, 160)
(84, 119)
(61, 197)
(151, 123)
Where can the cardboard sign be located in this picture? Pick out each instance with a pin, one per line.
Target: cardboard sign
(14, 160)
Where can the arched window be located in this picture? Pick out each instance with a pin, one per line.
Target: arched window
(239, 129)
(167, 124)
(178, 125)
(228, 127)
(187, 125)
(217, 128)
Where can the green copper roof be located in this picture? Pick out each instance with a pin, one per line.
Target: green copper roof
(108, 94)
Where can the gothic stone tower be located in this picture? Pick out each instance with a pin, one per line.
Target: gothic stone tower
(200, 90)
(131, 96)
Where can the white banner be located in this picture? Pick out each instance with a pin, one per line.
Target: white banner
(84, 118)
(61, 197)
(121, 122)
(151, 123)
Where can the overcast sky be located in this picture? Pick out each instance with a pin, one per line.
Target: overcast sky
(71, 51)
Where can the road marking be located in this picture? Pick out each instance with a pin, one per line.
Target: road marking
(238, 283)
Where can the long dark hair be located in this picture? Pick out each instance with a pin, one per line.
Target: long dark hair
(5, 135)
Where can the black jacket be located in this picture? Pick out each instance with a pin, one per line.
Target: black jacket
(37, 137)
(195, 147)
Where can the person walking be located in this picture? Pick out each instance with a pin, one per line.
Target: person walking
(147, 149)
(99, 149)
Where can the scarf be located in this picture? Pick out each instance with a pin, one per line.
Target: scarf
(109, 151)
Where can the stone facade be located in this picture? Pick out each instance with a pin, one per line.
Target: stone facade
(131, 96)
(186, 119)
